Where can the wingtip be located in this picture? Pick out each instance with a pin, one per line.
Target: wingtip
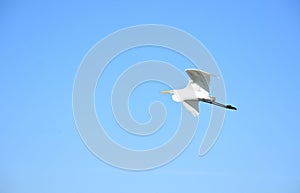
(195, 114)
(198, 70)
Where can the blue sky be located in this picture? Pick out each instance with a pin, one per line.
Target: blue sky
(256, 45)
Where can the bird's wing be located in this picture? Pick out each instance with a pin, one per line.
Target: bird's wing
(192, 106)
(199, 77)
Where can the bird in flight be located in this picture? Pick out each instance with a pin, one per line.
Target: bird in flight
(196, 90)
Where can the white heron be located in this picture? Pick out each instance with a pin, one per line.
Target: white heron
(196, 90)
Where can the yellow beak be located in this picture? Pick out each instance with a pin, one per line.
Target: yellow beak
(167, 92)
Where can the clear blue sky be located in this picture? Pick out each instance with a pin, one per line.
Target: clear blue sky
(256, 45)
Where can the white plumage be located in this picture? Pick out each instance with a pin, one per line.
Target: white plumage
(196, 90)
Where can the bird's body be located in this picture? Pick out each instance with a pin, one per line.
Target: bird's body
(196, 90)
